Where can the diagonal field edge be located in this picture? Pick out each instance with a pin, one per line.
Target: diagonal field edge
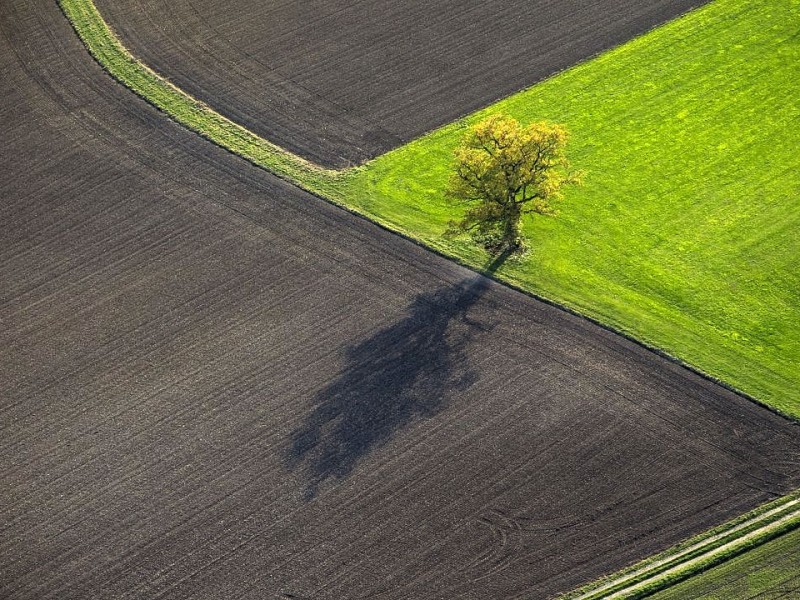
(710, 559)
(343, 82)
(106, 48)
(109, 50)
(697, 554)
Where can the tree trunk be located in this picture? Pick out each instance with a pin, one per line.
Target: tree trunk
(511, 226)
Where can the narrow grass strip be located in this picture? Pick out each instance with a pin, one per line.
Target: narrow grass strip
(772, 570)
(709, 560)
(107, 49)
(697, 554)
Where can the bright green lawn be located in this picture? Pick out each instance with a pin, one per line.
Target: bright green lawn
(768, 571)
(686, 233)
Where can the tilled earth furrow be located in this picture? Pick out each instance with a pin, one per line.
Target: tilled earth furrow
(216, 385)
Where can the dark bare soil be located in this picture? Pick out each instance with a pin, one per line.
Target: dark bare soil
(217, 386)
(341, 81)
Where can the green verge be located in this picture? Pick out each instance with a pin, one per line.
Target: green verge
(769, 571)
(106, 48)
(656, 566)
(672, 579)
(684, 233)
(713, 561)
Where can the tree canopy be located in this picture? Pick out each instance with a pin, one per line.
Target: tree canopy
(504, 170)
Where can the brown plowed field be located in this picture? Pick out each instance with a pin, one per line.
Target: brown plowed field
(217, 386)
(340, 81)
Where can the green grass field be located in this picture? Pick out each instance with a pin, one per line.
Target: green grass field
(769, 571)
(686, 233)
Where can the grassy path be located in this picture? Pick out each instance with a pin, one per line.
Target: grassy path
(712, 557)
(770, 571)
(690, 558)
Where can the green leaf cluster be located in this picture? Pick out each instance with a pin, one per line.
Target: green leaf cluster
(503, 170)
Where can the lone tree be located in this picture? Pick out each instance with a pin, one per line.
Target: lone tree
(504, 170)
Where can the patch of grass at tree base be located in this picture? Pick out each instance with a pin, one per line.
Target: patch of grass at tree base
(686, 232)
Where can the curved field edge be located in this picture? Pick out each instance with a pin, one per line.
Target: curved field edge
(697, 554)
(107, 49)
(401, 191)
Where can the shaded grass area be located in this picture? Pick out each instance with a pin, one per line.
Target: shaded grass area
(684, 235)
(769, 571)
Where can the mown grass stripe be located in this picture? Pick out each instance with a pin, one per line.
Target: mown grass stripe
(697, 554)
(107, 49)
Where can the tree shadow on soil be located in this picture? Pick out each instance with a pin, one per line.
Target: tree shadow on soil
(405, 371)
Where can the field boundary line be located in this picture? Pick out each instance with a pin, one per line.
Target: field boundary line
(696, 554)
(109, 51)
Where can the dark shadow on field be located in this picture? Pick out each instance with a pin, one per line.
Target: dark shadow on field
(405, 371)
